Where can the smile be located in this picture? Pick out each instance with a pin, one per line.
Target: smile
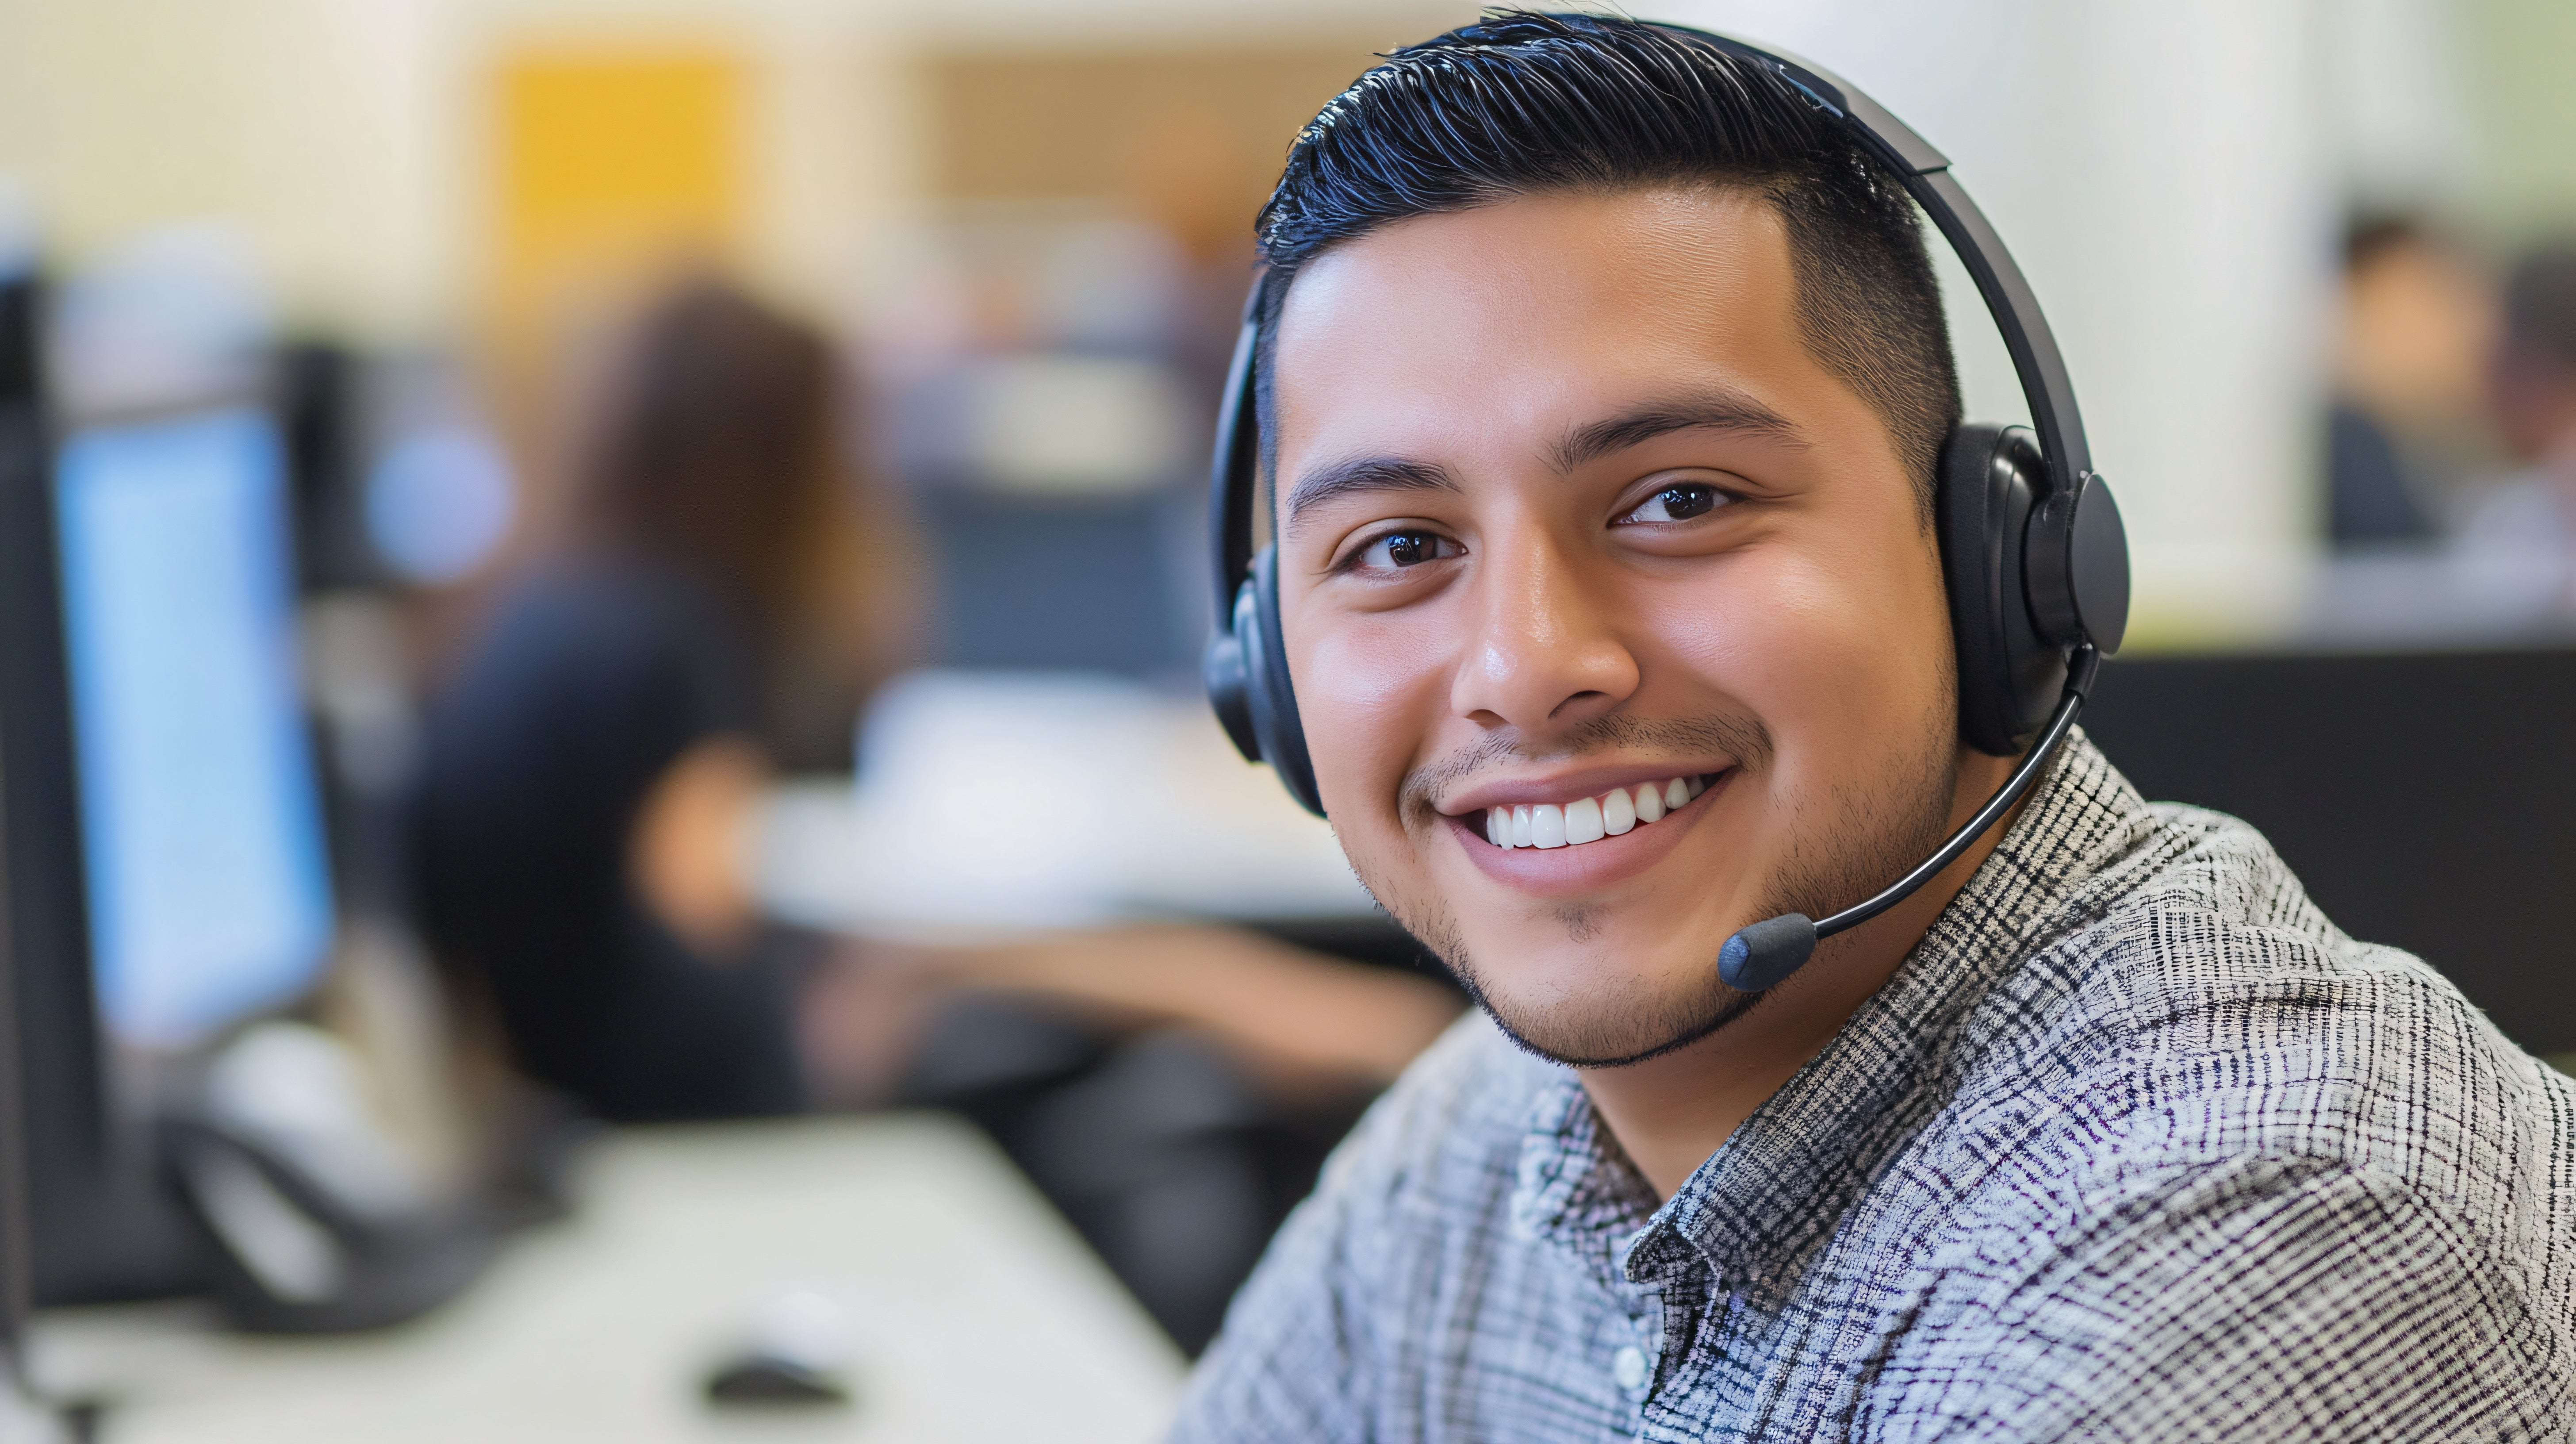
(1589, 819)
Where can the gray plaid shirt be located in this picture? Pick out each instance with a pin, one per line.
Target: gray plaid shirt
(2136, 1145)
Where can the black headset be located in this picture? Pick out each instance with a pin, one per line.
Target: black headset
(2032, 549)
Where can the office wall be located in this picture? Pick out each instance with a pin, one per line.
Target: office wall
(352, 143)
(2157, 170)
(310, 127)
(2170, 174)
(2515, 65)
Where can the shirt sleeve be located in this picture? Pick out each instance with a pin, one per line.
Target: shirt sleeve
(2260, 1299)
(1288, 1364)
(1305, 1351)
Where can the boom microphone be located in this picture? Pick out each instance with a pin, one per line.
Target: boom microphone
(1756, 957)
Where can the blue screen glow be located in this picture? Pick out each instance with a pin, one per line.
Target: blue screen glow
(209, 890)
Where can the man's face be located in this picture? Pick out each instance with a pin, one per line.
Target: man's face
(1567, 508)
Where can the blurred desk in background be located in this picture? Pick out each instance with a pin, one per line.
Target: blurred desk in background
(990, 802)
(981, 1315)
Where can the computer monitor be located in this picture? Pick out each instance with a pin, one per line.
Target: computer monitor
(22, 456)
(166, 850)
(201, 828)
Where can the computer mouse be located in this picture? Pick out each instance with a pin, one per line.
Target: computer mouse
(799, 1352)
(768, 1379)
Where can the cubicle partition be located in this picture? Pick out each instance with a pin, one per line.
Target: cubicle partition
(2427, 799)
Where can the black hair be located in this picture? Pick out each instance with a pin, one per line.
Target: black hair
(2540, 303)
(1523, 103)
(2370, 236)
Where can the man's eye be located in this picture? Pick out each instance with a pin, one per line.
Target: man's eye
(1405, 549)
(1678, 503)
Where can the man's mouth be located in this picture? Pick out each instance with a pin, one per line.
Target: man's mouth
(1590, 819)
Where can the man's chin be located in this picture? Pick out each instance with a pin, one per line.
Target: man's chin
(1605, 1032)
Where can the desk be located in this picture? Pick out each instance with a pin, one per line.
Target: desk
(983, 1317)
(994, 801)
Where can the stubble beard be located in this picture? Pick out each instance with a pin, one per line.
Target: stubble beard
(1866, 836)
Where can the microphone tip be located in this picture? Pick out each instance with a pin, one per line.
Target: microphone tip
(1758, 957)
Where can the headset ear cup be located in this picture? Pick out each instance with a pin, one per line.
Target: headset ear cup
(1271, 698)
(2008, 675)
(1229, 687)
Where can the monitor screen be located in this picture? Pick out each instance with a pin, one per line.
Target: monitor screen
(208, 884)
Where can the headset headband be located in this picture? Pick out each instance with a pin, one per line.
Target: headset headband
(1925, 173)
(2034, 557)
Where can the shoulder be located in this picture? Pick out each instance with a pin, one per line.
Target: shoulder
(1409, 1209)
(2201, 1040)
(556, 630)
(586, 680)
(2248, 1298)
(601, 640)
(2203, 1143)
(1448, 1136)
(594, 612)
(2224, 1013)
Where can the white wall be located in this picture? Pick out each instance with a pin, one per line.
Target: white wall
(2167, 174)
(2156, 169)
(344, 138)
(306, 124)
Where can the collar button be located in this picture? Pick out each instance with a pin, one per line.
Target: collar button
(1628, 1369)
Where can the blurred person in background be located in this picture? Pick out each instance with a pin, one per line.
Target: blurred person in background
(2406, 418)
(708, 617)
(728, 589)
(2522, 536)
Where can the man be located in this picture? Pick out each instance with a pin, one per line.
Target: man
(2519, 546)
(1605, 383)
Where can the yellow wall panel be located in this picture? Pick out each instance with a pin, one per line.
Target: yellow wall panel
(610, 159)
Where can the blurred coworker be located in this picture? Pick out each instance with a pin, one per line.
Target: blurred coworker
(590, 767)
(2523, 535)
(717, 608)
(2417, 321)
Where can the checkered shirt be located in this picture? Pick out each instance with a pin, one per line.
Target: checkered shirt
(2135, 1145)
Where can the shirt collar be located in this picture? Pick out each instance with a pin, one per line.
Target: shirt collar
(1778, 1185)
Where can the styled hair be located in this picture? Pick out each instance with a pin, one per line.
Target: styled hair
(1524, 103)
(721, 448)
(716, 450)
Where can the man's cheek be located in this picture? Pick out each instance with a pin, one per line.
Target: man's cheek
(1362, 696)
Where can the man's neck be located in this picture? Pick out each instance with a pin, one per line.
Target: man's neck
(1670, 1113)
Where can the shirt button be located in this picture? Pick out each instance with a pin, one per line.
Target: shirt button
(1628, 1367)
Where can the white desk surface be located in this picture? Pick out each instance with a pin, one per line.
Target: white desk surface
(981, 1315)
(994, 801)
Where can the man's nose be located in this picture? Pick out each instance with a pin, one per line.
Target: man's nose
(1546, 653)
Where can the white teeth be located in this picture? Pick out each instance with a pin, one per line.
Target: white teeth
(1583, 820)
(1547, 825)
(1588, 819)
(1618, 811)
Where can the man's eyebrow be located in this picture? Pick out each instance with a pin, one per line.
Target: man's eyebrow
(1364, 474)
(1712, 410)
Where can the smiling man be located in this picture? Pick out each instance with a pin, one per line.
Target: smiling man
(1603, 403)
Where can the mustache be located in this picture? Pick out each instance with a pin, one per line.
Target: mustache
(1739, 736)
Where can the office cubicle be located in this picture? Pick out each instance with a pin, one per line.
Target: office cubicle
(2427, 799)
